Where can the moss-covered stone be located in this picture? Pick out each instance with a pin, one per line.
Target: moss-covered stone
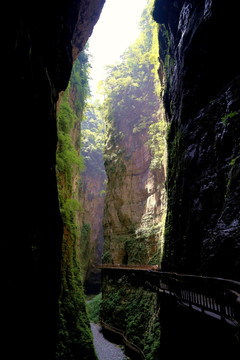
(74, 339)
(134, 154)
(133, 310)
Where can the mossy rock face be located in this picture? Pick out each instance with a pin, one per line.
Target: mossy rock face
(135, 157)
(74, 338)
(133, 310)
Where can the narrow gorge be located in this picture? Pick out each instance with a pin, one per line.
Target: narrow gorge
(135, 154)
(147, 177)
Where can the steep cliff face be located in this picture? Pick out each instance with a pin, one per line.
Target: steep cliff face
(201, 96)
(135, 203)
(199, 54)
(93, 188)
(39, 62)
(92, 194)
(74, 335)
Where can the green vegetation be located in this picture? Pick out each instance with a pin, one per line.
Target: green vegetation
(175, 144)
(167, 57)
(131, 91)
(74, 335)
(68, 158)
(93, 308)
(93, 132)
(232, 163)
(85, 248)
(135, 119)
(135, 311)
(157, 143)
(228, 116)
(140, 316)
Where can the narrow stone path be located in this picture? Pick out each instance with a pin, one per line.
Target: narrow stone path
(105, 349)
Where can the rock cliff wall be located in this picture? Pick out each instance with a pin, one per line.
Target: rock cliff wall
(92, 194)
(39, 57)
(135, 202)
(134, 209)
(199, 73)
(134, 155)
(129, 307)
(198, 48)
(92, 198)
(73, 321)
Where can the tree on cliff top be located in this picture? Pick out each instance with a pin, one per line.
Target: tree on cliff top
(132, 89)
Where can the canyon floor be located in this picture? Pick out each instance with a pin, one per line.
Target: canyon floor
(105, 349)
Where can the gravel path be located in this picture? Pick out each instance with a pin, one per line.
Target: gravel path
(105, 350)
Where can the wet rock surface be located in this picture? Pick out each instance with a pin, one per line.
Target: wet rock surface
(201, 60)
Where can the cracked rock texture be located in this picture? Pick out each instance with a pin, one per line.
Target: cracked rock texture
(198, 50)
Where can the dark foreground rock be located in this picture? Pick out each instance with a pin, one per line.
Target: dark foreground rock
(201, 63)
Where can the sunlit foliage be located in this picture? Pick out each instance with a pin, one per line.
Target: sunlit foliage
(74, 334)
(131, 91)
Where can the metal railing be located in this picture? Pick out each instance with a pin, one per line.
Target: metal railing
(122, 335)
(212, 296)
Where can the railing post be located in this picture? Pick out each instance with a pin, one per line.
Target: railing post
(238, 310)
(216, 297)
